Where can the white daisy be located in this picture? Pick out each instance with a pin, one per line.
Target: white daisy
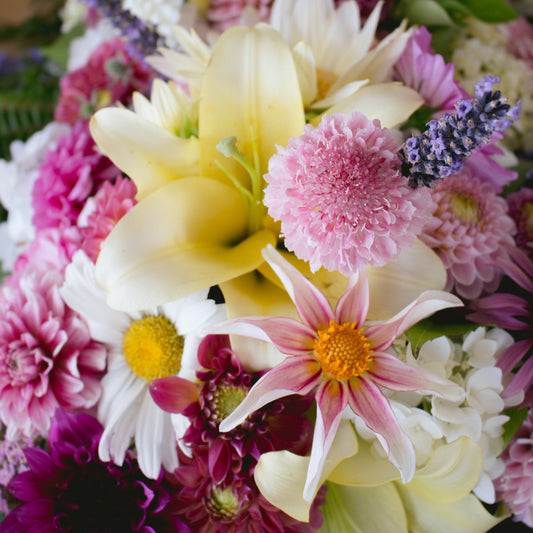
(143, 346)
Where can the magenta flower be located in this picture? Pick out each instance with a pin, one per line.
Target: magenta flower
(521, 210)
(343, 360)
(70, 489)
(110, 76)
(340, 197)
(111, 203)
(69, 174)
(471, 232)
(47, 357)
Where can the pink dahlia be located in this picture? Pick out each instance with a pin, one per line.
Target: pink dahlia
(521, 210)
(110, 76)
(108, 206)
(47, 357)
(339, 195)
(223, 14)
(471, 232)
(343, 360)
(514, 486)
(69, 174)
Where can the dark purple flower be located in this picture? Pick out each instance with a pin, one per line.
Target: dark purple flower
(70, 489)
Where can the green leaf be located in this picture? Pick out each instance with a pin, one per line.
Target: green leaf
(424, 12)
(58, 51)
(493, 11)
(419, 119)
(426, 330)
(516, 418)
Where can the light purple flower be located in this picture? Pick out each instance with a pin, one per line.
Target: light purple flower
(343, 360)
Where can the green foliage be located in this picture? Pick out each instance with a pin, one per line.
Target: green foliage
(419, 119)
(427, 330)
(516, 418)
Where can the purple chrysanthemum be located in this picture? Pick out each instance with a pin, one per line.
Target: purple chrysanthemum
(340, 197)
(70, 489)
(521, 210)
(47, 357)
(223, 384)
(514, 486)
(69, 174)
(471, 232)
(239, 507)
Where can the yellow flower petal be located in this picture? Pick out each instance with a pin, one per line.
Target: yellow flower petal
(147, 153)
(390, 103)
(250, 91)
(399, 282)
(280, 476)
(178, 240)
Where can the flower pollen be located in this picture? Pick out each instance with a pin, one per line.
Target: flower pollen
(325, 80)
(153, 348)
(465, 207)
(223, 503)
(343, 351)
(225, 399)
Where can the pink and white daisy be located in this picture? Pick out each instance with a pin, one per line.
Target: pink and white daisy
(340, 197)
(343, 359)
(47, 357)
(471, 232)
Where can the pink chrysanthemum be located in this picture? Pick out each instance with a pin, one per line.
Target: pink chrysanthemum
(340, 198)
(223, 14)
(471, 232)
(47, 357)
(110, 204)
(514, 486)
(111, 75)
(521, 210)
(519, 33)
(70, 173)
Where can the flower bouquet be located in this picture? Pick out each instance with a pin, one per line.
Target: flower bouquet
(270, 268)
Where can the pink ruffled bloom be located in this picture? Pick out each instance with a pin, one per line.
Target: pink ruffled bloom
(340, 197)
(69, 174)
(514, 486)
(471, 232)
(110, 204)
(223, 14)
(47, 357)
(343, 360)
(521, 210)
(110, 76)
(519, 33)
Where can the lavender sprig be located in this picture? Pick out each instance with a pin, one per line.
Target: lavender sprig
(144, 38)
(442, 149)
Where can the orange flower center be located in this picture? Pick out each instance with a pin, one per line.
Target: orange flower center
(153, 348)
(343, 351)
(324, 80)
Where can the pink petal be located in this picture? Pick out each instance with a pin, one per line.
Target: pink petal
(522, 380)
(353, 305)
(288, 335)
(312, 306)
(173, 394)
(368, 402)
(382, 336)
(331, 399)
(294, 375)
(209, 348)
(513, 355)
(393, 374)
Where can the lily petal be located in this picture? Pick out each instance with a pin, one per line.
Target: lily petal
(177, 241)
(294, 375)
(353, 305)
(368, 402)
(381, 336)
(393, 374)
(254, 97)
(146, 152)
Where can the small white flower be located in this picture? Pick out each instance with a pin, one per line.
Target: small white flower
(483, 389)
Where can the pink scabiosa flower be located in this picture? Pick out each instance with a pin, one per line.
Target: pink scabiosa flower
(340, 197)
(222, 385)
(111, 75)
(514, 486)
(521, 210)
(239, 507)
(223, 14)
(107, 207)
(70, 489)
(69, 174)
(471, 232)
(343, 360)
(47, 357)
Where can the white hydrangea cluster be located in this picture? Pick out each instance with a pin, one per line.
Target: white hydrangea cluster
(430, 421)
(480, 48)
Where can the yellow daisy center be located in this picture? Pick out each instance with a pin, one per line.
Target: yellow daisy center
(324, 81)
(343, 351)
(153, 348)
